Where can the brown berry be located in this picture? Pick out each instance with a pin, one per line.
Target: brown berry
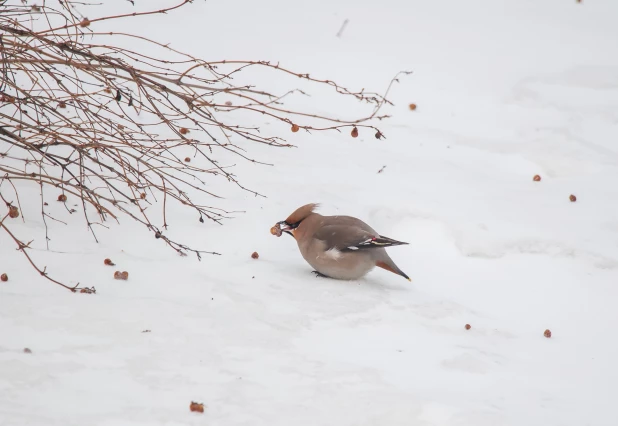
(276, 230)
(379, 135)
(295, 128)
(412, 107)
(142, 195)
(255, 255)
(27, 351)
(124, 275)
(86, 290)
(468, 326)
(4, 277)
(196, 407)
(107, 90)
(536, 178)
(187, 160)
(109, 262)
(45, 203)
(84, 23)
(62, 198)
(184, 130)
(62, 104)
(547, 333)
(13, 212)
(228, 103)
(573, 198)
(354, 132)
(120, 275)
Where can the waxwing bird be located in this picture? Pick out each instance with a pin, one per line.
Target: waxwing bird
(340, 247)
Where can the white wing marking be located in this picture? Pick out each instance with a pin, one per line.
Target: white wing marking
(333, 253)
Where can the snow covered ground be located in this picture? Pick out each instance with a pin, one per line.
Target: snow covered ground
(505, 90)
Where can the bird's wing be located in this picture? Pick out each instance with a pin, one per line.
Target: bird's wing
(348, 221)
(351, 238)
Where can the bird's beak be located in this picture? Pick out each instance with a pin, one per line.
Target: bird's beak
(286, 228)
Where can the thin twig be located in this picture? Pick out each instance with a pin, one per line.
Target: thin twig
(340, 32)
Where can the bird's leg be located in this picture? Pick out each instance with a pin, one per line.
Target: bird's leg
(319, 274)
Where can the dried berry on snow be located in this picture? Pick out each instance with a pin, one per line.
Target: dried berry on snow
(196, 407)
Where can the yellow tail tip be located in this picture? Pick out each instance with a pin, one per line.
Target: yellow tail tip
(409, 279)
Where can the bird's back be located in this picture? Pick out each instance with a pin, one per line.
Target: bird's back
(349, 221)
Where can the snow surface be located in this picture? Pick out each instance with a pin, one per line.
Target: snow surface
(505, 90)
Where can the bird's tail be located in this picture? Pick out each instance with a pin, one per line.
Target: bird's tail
(385, 262)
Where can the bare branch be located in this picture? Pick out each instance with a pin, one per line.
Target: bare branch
(112, 131)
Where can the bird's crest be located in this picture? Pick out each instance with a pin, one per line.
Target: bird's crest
(301, 213)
